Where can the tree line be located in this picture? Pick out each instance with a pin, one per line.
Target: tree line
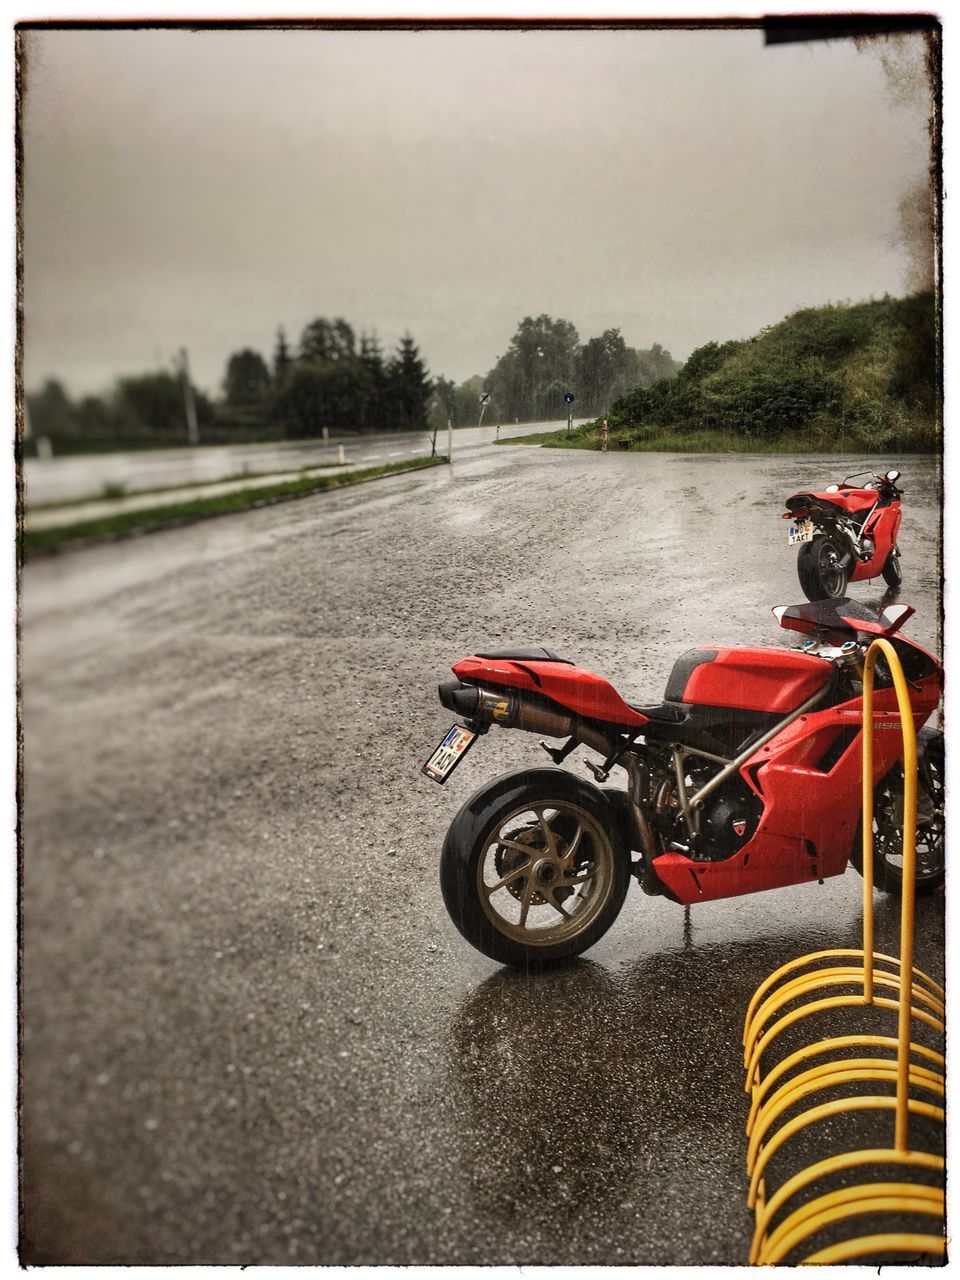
(330, 381)
(334, 380)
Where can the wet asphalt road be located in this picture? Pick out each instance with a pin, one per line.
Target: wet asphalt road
(251, 1034)
(74, 476)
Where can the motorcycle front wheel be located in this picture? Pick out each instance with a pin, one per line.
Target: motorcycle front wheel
(892, 570)
(888, 822)
(821, 570)
(533, 868)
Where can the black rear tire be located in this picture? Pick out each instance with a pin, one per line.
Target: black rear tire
(888, 822)
(892, 571)
(546, 846)
(821, 569)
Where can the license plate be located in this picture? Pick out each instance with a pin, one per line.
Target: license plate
(802, 531)
(454, 746)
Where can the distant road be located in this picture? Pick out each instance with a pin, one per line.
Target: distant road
(84, 475)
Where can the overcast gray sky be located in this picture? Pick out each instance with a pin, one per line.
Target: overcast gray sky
(202, 188)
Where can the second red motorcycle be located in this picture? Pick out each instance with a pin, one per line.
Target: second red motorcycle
(846, 533)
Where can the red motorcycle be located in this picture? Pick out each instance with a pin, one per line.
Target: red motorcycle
(745, 777)
(847, 533)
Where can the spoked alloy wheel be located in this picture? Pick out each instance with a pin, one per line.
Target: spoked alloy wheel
(888, 823)
(533, 867)
(821, 570)
(544, 873)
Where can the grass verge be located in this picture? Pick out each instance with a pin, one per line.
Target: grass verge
(588, 437)
(125, 524)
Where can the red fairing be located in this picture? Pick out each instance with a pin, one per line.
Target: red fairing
(756, 679)
(883, 527)
(580, 691)
(809, 815)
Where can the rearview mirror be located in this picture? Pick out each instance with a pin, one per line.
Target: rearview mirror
(895, 615)
(893, 476)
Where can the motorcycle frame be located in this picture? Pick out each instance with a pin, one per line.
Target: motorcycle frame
(692, 805)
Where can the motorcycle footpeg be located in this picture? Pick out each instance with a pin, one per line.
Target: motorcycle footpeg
(559, 754)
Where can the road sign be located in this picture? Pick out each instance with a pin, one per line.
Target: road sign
(568, 397)
(484, 397)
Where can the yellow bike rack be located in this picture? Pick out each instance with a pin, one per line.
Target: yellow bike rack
(918, 999)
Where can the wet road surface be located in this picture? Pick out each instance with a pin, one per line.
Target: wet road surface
(251, 1034)
(74, 476)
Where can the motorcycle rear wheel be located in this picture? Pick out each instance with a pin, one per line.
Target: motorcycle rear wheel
(888, 822)
(892, 570)
(533, 868)
(821, 570)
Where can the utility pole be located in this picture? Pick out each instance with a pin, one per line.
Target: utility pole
(190, 408)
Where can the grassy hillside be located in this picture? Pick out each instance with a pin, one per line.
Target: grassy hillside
(836, 378)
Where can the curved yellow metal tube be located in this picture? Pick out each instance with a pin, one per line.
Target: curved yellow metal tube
(850, 1202)
(767, 1211)
(822, 1112)
(865, 1246)
(861, 1069)
(834, 953)
(834, 978)
(908, 879)
(764, 1084)
(833, 1002)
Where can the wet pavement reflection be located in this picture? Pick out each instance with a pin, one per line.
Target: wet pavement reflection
(606, 1105)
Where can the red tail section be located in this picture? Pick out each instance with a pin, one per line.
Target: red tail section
(580, 691)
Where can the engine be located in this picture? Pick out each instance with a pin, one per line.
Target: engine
(729, 819)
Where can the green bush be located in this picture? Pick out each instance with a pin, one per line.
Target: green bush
(864, 376)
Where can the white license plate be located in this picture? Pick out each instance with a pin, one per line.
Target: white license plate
(801, 531)
(454, 746)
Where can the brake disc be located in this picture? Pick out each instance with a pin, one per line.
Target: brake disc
(507, 859)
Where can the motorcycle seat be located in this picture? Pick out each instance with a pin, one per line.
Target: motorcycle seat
(854, 503)
(528, 653)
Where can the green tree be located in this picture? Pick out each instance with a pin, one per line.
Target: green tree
(409, 386)
(52, 413)
(376, 407)
(151, 405)
(654, 364)
(542, 354)
(326, 340)
(246, 382)
(605, 368)
(443, 403)
(318, 394)
(281, 358)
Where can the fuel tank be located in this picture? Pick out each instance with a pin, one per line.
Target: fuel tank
(748, 679)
